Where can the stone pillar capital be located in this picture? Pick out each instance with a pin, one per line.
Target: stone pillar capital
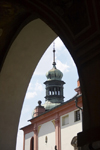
(57, 120)
(34, 129)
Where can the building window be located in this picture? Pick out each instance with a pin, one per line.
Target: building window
(77, 115)
(65, 120)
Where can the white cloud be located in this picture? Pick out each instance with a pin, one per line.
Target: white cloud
(30, 95)
(33, 89)
(38, 87)
(62, 66)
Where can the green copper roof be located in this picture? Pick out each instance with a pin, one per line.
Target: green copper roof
(54, 74)
(49, 105)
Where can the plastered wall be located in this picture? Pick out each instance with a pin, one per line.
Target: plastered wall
(70, 130)
(28, 137)
(46, 129)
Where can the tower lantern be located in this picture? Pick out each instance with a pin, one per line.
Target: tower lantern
(54, 86)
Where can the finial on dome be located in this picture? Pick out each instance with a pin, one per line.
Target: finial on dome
(39, 102)
(54, 63)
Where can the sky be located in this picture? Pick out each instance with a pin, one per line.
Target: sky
(36, 88)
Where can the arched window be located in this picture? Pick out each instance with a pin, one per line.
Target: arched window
(58, 92)
(55, 91)
(52, 92)
(32, 143)
(49, 91)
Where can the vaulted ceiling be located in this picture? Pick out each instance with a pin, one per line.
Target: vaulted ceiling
(77, 21)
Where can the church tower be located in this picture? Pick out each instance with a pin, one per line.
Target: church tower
(54, 86)
(54, 90)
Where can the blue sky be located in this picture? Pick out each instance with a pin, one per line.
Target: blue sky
(36, 88)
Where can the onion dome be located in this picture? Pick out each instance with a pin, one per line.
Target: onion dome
(54, 74)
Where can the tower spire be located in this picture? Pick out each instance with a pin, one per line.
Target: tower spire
(54, 63)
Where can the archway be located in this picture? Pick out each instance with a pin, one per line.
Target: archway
(36, 90)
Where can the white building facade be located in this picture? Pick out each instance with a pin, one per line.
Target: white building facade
(54, 129)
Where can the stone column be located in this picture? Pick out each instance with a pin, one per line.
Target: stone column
(57, 133)
(23, 141)
(35, 137)
(61, 91)
(90, 85)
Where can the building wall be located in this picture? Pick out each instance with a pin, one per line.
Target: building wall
(69, 129)
(56, 127)
(28, 137)
(46, 130)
